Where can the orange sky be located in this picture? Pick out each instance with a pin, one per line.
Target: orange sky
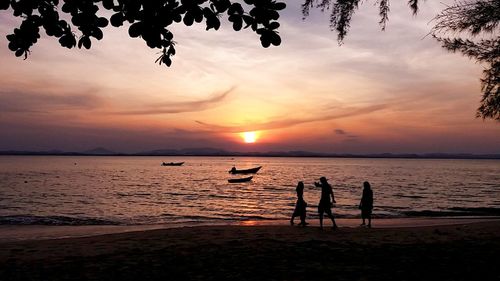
(394, 91)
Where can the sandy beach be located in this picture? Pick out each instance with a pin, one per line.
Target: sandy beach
(463, 250)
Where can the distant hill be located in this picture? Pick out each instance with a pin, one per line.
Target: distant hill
(203, 151)
(208, 151)
(99, 151)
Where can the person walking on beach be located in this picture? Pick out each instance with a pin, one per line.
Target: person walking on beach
(300, 206)
(325, 205)
(366, 204)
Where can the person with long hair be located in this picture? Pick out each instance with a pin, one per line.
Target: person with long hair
(366, 204)
(300, 205)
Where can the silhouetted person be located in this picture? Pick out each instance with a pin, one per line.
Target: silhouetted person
(325, 205)
(233, 169)
(300, 206)
(366, 204)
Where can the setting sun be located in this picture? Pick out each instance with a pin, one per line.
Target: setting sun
(249, 137)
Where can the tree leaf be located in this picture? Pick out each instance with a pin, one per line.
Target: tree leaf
(135, 30)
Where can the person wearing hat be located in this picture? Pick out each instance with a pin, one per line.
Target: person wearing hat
(325, 205)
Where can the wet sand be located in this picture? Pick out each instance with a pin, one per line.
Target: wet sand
(44, 232)
(463, 250)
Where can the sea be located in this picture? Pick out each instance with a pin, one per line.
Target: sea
(123, 190)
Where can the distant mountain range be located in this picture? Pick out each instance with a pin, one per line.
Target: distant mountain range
(207, 151)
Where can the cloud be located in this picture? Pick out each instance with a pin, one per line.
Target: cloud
(180, 107)
(346, 137)
(28, 101)
(280, 123)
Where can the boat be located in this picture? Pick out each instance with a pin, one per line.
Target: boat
(240, 179)
(172, 164)
(246, 171)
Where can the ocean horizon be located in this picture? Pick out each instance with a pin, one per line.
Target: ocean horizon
(208, 151)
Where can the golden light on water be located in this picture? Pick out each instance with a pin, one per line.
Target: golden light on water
(249, 137)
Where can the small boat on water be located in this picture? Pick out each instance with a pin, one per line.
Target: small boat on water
(246, 171)
(172, 164)
(240, 179)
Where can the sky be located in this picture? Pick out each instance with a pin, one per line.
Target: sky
(392, 91)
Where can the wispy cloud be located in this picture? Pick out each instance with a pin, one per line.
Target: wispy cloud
(346, 136)
(180, 107)
(280, 123)
(27, 101)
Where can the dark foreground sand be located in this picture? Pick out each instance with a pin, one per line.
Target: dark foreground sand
(468, 251)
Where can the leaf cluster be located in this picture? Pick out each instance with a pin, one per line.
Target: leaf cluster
(472, 28)
(147, 19)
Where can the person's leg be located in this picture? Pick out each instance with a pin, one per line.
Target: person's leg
(333, 221)
(370, 220)
(303, 219)
(330, 215)
(363, 218)
(320, 213)
(291, 219)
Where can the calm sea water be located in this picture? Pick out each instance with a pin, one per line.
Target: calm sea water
(137, 190)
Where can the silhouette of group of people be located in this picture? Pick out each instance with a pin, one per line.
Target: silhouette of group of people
(325, 204)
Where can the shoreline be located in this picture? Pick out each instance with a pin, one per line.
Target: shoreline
(262, 252)
(10, 233)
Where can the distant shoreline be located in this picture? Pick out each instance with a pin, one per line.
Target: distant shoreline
(270, 154)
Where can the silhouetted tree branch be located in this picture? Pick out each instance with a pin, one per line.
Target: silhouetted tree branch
(148, 20)
(343, 10)
(465, 20)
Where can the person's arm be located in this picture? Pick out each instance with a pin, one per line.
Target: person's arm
(333, 197)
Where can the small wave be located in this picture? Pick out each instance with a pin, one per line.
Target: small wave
(222, 217)
(455, 211)
(391, 207)
(219, 196)
(195, 218)
(177, 193)
(132, 194)
(207, 179)
(168, 215)
(52, 220)
(479, 211)
(253, 217)
(409, 196)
